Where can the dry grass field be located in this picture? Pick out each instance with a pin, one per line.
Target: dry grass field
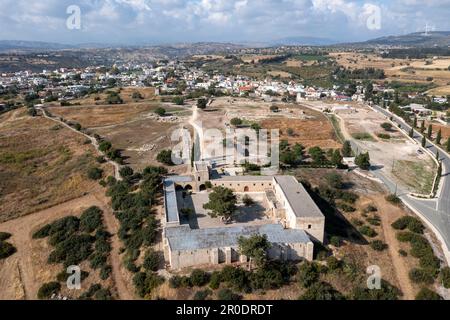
(41, 164)
(403, 70)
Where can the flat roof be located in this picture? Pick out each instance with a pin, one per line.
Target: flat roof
(244, 179)
(183, 238)
(301, 202)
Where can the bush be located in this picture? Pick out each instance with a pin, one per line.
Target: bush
(199, 278)
(427, 294)
(420, 276)
(160, 112)
(48, 289)
(346, 208)
(105, 272)
(378, 245)
(333, 263)
(370, 208)
(374, 221)
(146, 282)
(175, 282)
(95, 173)
(334, 180)
(6, 250)
(307, 274)
(91, 219)
(236, 122)
(335, 241)
(227, 295)
(97, 261)
(103, 294)
(44, 232)
(202, 295)
(321, 291)
(152, 260)
(215, 280)
(413, 224)
(445, 277)
(368, 231)
(402, 253)
(394, 199)
(5, 236)
(387, 292)
(165, 157)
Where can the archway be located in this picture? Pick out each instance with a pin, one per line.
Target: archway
(202, 187)
(246, 189)
(188, 187)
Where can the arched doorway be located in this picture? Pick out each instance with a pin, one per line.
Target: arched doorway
(202, 187)
(246, 189)
(178, 188)
(188, 187)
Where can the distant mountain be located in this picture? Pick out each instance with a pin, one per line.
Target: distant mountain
(417, 39)
(303, 41)
(10, 45)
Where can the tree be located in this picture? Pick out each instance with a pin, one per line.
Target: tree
(422, 126)
(430, 131)
(152, 260)
(199, 278)
(347, 149)
(165, 157)
(290, 132)
(321, 291)
(6, 250)
(95, 173)
(336, 158)
(255, 248)
(126, 172)
(448, 145)
(439, 136)
(256, 126)
(415, 122)
(411, 133)
(160, 112)
(334, 180)
(274, 109)
(363, 161)
(202, 103)
(386, 126)
(308, 274)
(222, 203)
(48, 289)
(236, 122)
(424, 141)
(369, 92)
(178, 100)
(427, 294)
(248, 201)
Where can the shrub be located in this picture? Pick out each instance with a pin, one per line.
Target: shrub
(95, 173)
(375, 221)
(445, 277)
(103, 294)
(334, 180)
(48, 289)
(236, 122)
(403, 253)
(420, 276)
(307, 274)
(105, 146)
(6, 250)
(152, 261)
(105, 272)
(98, 260)
(146, 282)
(175, 282)
(321, 291)
(370, 208)
(411, 223)
(199, 278)
(378, 245)
(227, 295)
(346, 208)
(160, 112)
(368, 231)
(333, 263)
(165, 157)
(335, 241)
(5, 236)
(215, 280)
(394, 199)
(202, 295)
(91, 219)
(387, 292)
(384, 136)
(427, 294)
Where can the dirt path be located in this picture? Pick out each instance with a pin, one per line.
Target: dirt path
(389, 215)
(19, 272)
(93, 140)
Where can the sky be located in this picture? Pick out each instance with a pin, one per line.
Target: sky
(170, 21)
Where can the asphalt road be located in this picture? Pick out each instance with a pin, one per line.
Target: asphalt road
(436, 211)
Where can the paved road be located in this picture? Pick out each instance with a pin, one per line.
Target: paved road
(436, 211)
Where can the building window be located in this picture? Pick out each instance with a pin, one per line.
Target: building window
(309, 226)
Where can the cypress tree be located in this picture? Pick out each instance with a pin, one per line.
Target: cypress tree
(430, 131)
(439, 136)
(424, 141)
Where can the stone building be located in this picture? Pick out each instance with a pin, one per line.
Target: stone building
(297, 221)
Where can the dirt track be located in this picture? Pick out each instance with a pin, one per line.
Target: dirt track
(19, 273)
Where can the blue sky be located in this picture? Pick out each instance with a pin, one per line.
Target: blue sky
(168, 21)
